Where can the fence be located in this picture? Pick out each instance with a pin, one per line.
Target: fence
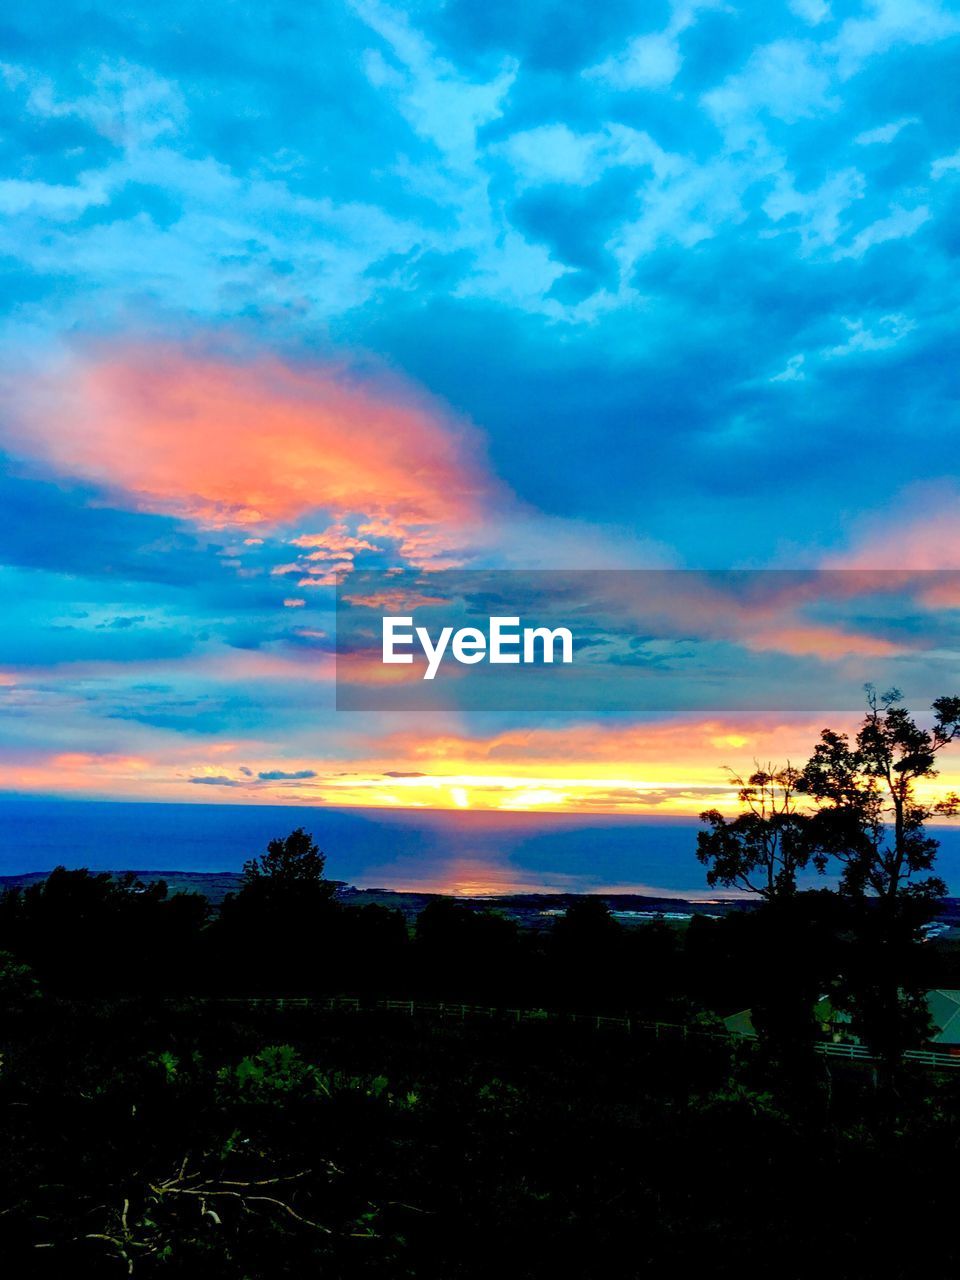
(941, 1059)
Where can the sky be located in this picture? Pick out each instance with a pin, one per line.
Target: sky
(291, 291)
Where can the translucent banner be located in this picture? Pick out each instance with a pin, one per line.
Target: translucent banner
(629, 641)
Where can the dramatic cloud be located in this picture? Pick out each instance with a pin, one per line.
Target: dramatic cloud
(238, 444)
(541, 285)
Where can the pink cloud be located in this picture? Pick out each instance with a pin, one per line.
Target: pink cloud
(260, 443)
(333, 542)
(919, 530)
(803, 640)
(680, 741)
(395, 600)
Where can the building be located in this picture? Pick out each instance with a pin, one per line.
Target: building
(943, 1005)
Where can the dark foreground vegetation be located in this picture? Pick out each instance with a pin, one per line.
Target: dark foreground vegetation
(161, 1116)
(169, 1141)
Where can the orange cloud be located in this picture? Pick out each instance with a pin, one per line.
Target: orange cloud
(669, 748)
(333, 542)
(669, 768)
(395, 600)
(821, 642)
(258, 443)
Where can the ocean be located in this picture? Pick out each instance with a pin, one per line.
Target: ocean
(427, 850)
(415, 849)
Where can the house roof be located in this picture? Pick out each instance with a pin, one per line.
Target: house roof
(740, 1024)
(944, 1006)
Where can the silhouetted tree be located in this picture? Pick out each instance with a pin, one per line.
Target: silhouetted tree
(761, 851)
(466, 951)
(83, 931)
(293, 863)
(373, 950)
(870, 818)
(652, 964)
(18, 987)
(280, 930)
(587, 955)
(764, 847)
(586, 924)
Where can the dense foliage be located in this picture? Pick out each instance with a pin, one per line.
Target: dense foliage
(164, 1138)
(165, 1113)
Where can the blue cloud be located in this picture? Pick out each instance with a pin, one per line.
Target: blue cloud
(278, 775)
(689, 271)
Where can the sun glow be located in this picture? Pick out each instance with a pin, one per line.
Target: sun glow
(669, 769)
